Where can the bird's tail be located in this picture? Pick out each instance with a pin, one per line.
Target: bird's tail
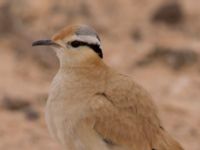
(166, 142)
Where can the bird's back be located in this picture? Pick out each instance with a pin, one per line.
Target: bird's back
(129, 117)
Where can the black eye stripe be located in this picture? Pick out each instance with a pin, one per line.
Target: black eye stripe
(77, 43)
(94, 47)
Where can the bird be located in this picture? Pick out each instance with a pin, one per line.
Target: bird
(92, 106)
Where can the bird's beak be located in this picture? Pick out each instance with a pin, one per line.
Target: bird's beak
(44, 43)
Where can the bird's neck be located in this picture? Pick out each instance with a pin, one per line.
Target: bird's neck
(83, 68)
(80, 76)
(89, 61)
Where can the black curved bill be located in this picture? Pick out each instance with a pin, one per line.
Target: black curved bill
(43, 43)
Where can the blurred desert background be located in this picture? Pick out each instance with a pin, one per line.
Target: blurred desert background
(156, 42)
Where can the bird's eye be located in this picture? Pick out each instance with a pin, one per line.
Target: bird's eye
(76, 44)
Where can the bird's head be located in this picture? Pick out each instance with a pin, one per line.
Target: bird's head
(74, 43)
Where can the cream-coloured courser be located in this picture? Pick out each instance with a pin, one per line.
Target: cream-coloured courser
(93, 107)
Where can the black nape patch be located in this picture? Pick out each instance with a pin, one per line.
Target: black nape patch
(97, 49)
(94, 47)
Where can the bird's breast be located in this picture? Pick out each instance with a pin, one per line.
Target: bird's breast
(66, 106)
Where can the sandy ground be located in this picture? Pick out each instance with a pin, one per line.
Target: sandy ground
(161, 56)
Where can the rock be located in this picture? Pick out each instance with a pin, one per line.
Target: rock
(21, 105)
(174, 58)
(31, 114)
(170, 13)
(6, 18)
(14, 104)
(136, 35)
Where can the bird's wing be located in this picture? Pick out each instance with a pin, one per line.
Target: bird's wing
(125, 116)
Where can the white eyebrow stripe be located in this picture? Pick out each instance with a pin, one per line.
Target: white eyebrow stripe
(88, 39)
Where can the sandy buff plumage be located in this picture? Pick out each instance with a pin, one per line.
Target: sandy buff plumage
(93, 107)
